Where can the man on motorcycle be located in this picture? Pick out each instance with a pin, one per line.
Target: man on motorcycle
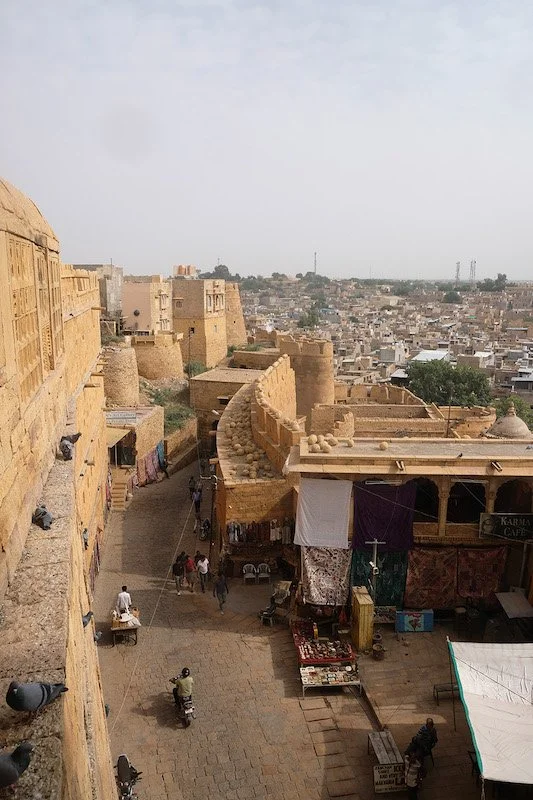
(183, 687)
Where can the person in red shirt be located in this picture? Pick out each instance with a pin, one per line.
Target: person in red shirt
(190, 572)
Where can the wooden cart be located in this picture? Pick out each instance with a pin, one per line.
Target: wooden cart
(124, 630)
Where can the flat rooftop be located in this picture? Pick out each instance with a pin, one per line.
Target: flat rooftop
(427, 456)
(229, 375)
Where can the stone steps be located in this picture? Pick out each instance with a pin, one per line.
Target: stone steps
(340, 777)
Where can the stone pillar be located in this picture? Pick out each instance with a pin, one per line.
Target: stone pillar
(490, 497)
(444, 493)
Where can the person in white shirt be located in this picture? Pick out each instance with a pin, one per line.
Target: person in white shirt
(203, 571)
(123, 601)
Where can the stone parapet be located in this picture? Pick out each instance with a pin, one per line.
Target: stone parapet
(43, 639)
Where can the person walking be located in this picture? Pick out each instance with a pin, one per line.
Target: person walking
(413, 772)
(190, 573)
(197, 500)
(220, 589)
(123, 601)
(192, 485)
(203, 571)
(178, 569)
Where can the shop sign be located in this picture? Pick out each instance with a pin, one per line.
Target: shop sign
(514, 527)
(121, 417)
(389, 778)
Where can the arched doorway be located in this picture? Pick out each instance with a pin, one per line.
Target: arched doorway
(513, 497)
(466, 502)
(426, 501)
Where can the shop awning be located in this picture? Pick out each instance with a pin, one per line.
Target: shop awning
(114, 435)
(496, 684)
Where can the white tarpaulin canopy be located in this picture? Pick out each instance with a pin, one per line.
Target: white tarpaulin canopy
(323, 513)
(496, 685)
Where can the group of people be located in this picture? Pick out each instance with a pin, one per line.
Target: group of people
(421, 746)
(187, 571)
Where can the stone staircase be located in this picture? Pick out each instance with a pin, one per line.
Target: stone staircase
(119, 487)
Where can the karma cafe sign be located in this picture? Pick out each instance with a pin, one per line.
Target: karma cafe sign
(513, 527)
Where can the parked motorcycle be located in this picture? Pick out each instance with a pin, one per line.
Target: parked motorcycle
(205, 530)
(184, 705)
(127, 777)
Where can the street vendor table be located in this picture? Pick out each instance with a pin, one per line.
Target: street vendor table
(126, 631)
(334, 676)
(323, 663)
(321, 651)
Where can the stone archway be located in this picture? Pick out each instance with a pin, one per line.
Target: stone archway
(513, 497)
(426, 501)
(466, 502)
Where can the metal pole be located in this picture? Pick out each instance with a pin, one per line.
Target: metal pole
(374, 565)
(523, 565)
(452, 683)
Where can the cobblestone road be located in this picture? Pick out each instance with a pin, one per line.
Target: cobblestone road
(253, 737)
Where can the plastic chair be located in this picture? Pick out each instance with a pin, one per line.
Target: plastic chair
(248, 573)
(263, 571)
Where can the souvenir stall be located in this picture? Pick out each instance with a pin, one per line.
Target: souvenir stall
(267, 541)
(322, 534)
(323, 662)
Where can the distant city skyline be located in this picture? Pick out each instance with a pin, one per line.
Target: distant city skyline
(392, 136)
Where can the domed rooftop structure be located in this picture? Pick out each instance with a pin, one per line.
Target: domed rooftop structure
(19, 215)
(510, 427)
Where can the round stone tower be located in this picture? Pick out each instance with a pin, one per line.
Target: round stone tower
(312, 362)
(121, 378)
(159, 356)
(235, 329)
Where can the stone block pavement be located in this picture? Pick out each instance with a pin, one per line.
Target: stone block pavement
(254, 735)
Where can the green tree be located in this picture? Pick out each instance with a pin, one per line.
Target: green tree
(452, 297)
(309, 320)
(493, 285)
(441, 383)
(522, 408)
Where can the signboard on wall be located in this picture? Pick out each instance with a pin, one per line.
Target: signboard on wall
(513, 527)
(121, 417)
(389, 778)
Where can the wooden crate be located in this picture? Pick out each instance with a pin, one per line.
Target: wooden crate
(362, 618)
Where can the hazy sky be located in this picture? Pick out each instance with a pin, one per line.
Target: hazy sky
(392, 135)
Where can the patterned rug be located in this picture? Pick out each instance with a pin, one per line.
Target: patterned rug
(479, 571)
(391, 579)
(325, 575)
(431, 578)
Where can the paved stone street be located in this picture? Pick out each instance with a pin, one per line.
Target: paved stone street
(254, 736)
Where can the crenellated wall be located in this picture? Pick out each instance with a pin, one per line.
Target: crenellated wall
(375, 393)
(273, 411)
(159, 356)
(312, 362)
(235, 329)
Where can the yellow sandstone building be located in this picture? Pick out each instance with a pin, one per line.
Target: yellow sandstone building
(50, 386)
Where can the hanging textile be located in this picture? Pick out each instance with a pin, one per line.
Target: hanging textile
(391, 579)
(141, 472)
(323, 513)
(480, 571)
(325, 575)
(431, 578)
(150, 465)
(384, 513)
(161, 454)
